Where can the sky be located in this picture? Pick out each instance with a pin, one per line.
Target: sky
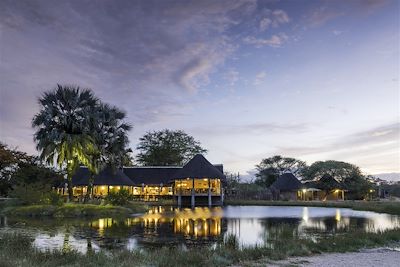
(314, 80)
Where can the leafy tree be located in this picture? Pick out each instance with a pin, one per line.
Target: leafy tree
(63, 128)
(338, 169)
(9, 161)
(109, 132)
(23, 176)
(167, 147)
(270, 168)
(358, 186)
(348, 175)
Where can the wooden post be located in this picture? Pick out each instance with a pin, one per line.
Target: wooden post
(222, 193)
(193, 202)
(209, 193)
(108, 189)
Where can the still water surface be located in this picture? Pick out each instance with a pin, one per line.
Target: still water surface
(169, 226)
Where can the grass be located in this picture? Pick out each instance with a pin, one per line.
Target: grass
(73, 210)
(17, 250)
(390, 207)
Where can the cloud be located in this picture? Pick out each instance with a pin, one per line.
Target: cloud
(322, 15)
(276, 40)
(140, 55)
(393, 176)
(260, 77)
(376, 149)
(273, 18)
(280, 16)
(232, 76)
(265, 23)
(337, 32)
(251, 129)
(194, 73)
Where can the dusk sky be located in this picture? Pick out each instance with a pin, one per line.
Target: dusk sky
(315, 80)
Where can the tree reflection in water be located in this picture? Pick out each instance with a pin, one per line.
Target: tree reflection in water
(169, 226)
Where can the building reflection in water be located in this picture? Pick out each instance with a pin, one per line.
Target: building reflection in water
(164, 223)
(170, 226)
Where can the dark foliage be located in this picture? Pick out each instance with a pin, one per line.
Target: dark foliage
(166, 148)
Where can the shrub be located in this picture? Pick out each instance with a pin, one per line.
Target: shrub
(52, 198)
(27, 194)
(36, 194)
(119, 198)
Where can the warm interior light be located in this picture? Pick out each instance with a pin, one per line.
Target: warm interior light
(304, 190)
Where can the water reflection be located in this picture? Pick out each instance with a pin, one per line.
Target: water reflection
(168, 226)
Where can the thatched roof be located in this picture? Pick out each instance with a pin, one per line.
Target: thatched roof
(325, 182)
(151, 175)
(199, 167)
(106, 177)
(287, 182)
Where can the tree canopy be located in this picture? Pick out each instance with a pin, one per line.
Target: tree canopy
(167, 147)
(73, 127)
(348, 175)
(270, 168)
(337, 169)
(18, 169)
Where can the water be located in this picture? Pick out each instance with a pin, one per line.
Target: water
(168, 226)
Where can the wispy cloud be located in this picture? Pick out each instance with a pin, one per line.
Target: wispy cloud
(273, 19)
(252, 129)
(275, 40)
(374, 149)
(322, 15)
(260, 77)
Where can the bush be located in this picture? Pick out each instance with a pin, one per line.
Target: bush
(119, 198)
(27, 194)
(36, 194)
(70, 210)
(52, 198)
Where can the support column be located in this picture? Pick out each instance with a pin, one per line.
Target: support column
(179, 200)
(209, 193)
(193, 202)
(222, 193)
(179, 191)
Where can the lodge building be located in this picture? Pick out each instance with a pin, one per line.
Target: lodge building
(196, 183)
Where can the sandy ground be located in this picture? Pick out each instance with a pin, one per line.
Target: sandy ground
(384, 257)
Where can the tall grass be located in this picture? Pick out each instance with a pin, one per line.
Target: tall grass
(17, 250)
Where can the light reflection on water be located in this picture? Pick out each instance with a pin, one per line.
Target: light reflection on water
(168, 226)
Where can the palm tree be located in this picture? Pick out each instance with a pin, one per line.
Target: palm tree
(63, 130)
(110, 135)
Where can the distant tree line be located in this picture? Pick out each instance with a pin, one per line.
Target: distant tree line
(349, 176)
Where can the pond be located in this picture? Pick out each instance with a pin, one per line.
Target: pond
(170, 226)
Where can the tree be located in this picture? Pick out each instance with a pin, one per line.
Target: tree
(63, 128)
(348, 175)
(109, 132)
(19, 170)
(337, 169)
(9, 164)
(167, 147)
(270, 168)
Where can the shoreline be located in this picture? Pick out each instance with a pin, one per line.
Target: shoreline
(388, 207)
(380, 256)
